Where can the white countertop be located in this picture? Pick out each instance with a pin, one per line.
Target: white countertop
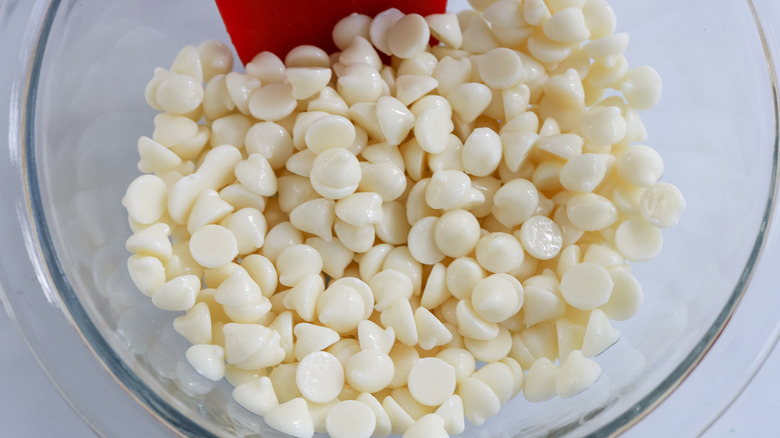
(32, 408)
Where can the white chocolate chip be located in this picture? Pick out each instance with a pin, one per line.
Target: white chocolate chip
(446, 188)
(445, 28)
(599, 334)
(482, 152)
(479, 401)
(360, 209)
(422, 243)
(469, 100)
(497, 297)
(383, 426)
(306, 56)
(642, 87)
(590, 212)
(477, 36)
(430, 331)
(283, 378)
(330, 131)
(567, 26)
(207, 360)
(535, 12)
(515, 202)
(319, 413)
(296, 262)
(145, 199)
(461, 360)
(576, 373)
(393, 228)
(356, 239)
(603, 76)
(262, 272)
(380, 27)
(384, 179)
(238, 289)
(315, 217)
(152, 241)
(410, 88)
(404, 357)
(177, 294)
(400, 317)
(307, 81)
(350, 419)
(252, 346)
(501, 68)
(195, 326)
(662, 204)
(267, 67)
(319, 377)
(400, 420)
(586, 286)
(435, 292)
(311, 338)
(272, 102)
(451, 411)
(395, 120)
(370, 370)
(540, 381)
(490, 350)
(499, 377)
(373, 337)
(335, 256)
(583, 173)
(640, 165)
(292, 418)
(340, 308)
(408, 36)
(240, 87)
(431, 381)
(638, 240)
(208, 208)
(626, 296)
(462, 275)
(429, 426)
(360, 51)
(599, 17)
(456, 233)
(213, 246)
(389, 285)
(335, 173)
(215, 58)
(499, 252)
(541, 237)
(304, 295)
(146, 272)
(360, 83)
(256, 395)
(471, 325)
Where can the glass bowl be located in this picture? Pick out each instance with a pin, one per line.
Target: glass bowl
(74, 86)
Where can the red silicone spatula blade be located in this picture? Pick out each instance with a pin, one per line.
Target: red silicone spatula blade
(277, 26)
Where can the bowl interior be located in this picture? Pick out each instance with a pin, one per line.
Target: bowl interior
(714, 127)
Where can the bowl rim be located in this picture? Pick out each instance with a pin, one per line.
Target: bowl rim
(35, 230)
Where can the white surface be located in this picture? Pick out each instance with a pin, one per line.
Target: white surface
(30, 407)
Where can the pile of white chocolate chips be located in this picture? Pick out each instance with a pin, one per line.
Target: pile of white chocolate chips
(365, 248)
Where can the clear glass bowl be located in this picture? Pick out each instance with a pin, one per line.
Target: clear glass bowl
(75, 85)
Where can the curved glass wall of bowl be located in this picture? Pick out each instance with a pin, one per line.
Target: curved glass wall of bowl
(733, 360)
(84, 111)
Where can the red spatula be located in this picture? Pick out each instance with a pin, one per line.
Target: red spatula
(278, 26)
